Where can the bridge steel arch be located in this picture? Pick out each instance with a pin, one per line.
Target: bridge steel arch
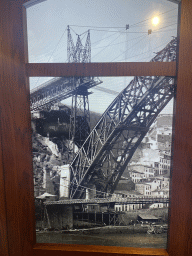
(109, 147)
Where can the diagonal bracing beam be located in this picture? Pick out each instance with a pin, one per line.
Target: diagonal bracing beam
(121, 129)
(56, 90)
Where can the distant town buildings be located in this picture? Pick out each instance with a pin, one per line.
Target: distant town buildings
(149, 169)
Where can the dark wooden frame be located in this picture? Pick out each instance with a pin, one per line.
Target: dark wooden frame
(17, 224)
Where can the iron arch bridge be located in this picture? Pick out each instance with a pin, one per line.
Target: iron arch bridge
(58, 89)
(109, 147)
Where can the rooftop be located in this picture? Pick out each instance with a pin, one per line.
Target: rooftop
(147, 216)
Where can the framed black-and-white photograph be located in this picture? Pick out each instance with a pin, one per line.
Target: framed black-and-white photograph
(102, 145)
(95, 139)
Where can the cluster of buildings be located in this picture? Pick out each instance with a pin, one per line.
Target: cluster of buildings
(147, 183)
(149, 170)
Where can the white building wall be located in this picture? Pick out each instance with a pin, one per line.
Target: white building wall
(127, 207)
(140, 188)
(157, 205)
(64, 181)
(91, 192)
(44, 177)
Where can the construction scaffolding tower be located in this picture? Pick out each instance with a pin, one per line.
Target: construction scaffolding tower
(80, 116)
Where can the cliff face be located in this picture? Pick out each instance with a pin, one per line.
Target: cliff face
(45, 156)
(48, 156)
(56, 150)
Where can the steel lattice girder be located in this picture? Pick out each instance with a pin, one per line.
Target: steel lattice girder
(56, 90)
(121, 129)
(78, 53)
(80, 118)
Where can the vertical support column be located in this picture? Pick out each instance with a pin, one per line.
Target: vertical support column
(3, 218)
(64, 181)
(80, 116)
(59, 216)
(180, 226)
(15, 132)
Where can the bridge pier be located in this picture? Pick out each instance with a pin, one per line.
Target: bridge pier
(59, 217)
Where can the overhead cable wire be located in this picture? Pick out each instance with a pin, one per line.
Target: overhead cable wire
(92, 26)
(156, 31)
(144, 37)
(119, 42)
(165, 31)
(150, 18)
(105, 47)
(53, 52)
(123, 32)
(134, 32)
(164, 27)
(73, 31)
(104, 38)
(77, 33)
(145, 52)
(147, 24)
(57, 45)
(122, 27)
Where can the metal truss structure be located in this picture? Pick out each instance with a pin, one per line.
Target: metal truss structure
(80, 116)
(126, 200)
(109, 147)
(78, 53)
(56, 90)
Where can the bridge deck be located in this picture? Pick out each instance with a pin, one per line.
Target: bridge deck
(56, 90)
(138, 200)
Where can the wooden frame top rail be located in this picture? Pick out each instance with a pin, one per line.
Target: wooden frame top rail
(102, 69)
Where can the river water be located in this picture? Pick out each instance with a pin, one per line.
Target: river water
(123, 240)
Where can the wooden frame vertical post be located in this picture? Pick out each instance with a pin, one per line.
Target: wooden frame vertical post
(15, 134)
(180, 235)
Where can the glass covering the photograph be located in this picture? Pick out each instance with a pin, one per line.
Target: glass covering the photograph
(99, 31)
(102, 145)
(102, 179)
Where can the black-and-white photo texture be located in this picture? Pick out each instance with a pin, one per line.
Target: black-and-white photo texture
(102, 146)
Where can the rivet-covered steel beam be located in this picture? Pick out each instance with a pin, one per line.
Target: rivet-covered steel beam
(108, 149)
(56, 90)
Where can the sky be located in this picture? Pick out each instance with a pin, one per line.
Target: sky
(110, 41)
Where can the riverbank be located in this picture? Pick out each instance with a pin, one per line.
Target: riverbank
(132, 229)
(107, 236)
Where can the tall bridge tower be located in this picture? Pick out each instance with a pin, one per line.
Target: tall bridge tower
(58, 89)
(80, 116)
